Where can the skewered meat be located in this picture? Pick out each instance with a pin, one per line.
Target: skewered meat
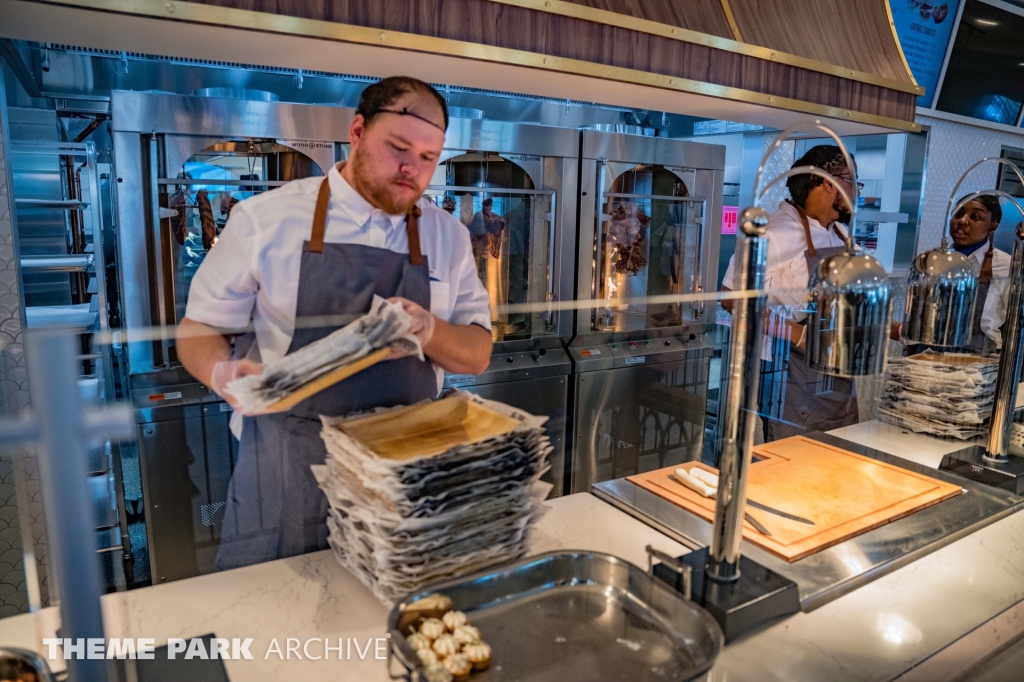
(227, 202)
(206, 219)
(179, 224)
(490, 225)
(626, 234)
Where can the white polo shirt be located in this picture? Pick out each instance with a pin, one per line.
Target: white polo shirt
(785, 275)
(253, 271)
(785, 264)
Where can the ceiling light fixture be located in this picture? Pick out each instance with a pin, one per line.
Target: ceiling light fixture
(987, 22)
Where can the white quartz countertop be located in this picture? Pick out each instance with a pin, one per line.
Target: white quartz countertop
(312, 596)
(894, 440)
(874, 633)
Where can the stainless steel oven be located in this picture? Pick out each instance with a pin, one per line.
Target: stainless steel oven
(514, 188)
(650, 218)
(182, 163)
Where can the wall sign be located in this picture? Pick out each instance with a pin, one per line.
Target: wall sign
(729, 216)
(924, 27)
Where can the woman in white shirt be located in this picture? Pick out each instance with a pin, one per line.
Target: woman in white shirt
(971, 230)
(805, 229)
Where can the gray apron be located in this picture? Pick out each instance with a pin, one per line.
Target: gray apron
(981, 343)
(274, 507)
(814, 401)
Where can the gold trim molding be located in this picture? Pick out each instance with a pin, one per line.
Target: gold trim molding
(733, 26)
(600, 16)
(899, 45)
(313, 28)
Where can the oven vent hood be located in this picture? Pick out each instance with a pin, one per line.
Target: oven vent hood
(237, 93)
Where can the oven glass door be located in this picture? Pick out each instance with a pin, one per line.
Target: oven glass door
(509, 231)
(648, 251)
(210, 184)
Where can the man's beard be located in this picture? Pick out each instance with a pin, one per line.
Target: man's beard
(843, 210)
(379, 195)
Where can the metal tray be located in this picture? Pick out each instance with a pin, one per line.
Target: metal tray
(566, 616)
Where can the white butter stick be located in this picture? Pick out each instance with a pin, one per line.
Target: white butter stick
(705, 476)
(694, 484)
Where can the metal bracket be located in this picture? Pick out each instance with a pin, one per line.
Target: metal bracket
(679, 567)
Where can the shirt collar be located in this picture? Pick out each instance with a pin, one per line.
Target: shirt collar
(970, 250)
(352, 202)
(794, 214)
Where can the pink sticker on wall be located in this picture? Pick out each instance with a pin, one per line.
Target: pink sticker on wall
(729, 215)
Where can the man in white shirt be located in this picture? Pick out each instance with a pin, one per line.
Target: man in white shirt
(323, 247)
(804, 230)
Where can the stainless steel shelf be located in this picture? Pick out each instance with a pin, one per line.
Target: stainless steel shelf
(62, 204)
(73, 263)
(225, 183)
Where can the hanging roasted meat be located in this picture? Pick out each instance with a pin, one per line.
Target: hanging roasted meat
(626, 234)
(495, 226)
(487, 225)
(448, 204)
(206, 219)
(179, 224)
(227, 202)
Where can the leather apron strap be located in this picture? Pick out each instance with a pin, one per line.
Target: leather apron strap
(811, 251)
(986, 265)
(316, 240)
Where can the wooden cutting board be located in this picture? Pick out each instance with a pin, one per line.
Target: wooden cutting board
(844, 493)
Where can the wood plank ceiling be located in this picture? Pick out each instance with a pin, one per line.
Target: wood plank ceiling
(795, 34)
(829, 58)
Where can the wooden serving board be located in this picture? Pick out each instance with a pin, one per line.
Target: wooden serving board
(844, 493)
(329, 379)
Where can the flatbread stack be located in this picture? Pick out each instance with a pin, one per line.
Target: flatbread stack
(944, 394)
(431, 491)
(385, 326)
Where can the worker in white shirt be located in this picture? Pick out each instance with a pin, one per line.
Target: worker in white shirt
(971, 230)
(804, 230)
(323, 247)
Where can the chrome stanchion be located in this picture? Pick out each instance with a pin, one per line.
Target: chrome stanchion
(740, 409)
(61, 429)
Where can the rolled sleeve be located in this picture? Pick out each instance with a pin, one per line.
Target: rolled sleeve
(223, 291)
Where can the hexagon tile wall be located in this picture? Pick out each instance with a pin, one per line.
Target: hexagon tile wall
(952, 148)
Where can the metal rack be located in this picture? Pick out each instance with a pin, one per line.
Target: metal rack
(81, 205)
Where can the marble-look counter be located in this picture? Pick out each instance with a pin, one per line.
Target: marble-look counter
(312, 596)
(876, 632)
(894, 440)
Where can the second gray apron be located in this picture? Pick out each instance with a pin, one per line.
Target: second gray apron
(813, 401)
(274, 507)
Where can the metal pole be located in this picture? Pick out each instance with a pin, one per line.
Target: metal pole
(739, 416)
(63, 478)
(1011, 357)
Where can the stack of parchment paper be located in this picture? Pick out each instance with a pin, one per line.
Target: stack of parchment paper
(945, 394)
(296, 374)
(431, 491)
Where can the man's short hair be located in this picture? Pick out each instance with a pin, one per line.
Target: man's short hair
(827, 157)
(384, 93)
